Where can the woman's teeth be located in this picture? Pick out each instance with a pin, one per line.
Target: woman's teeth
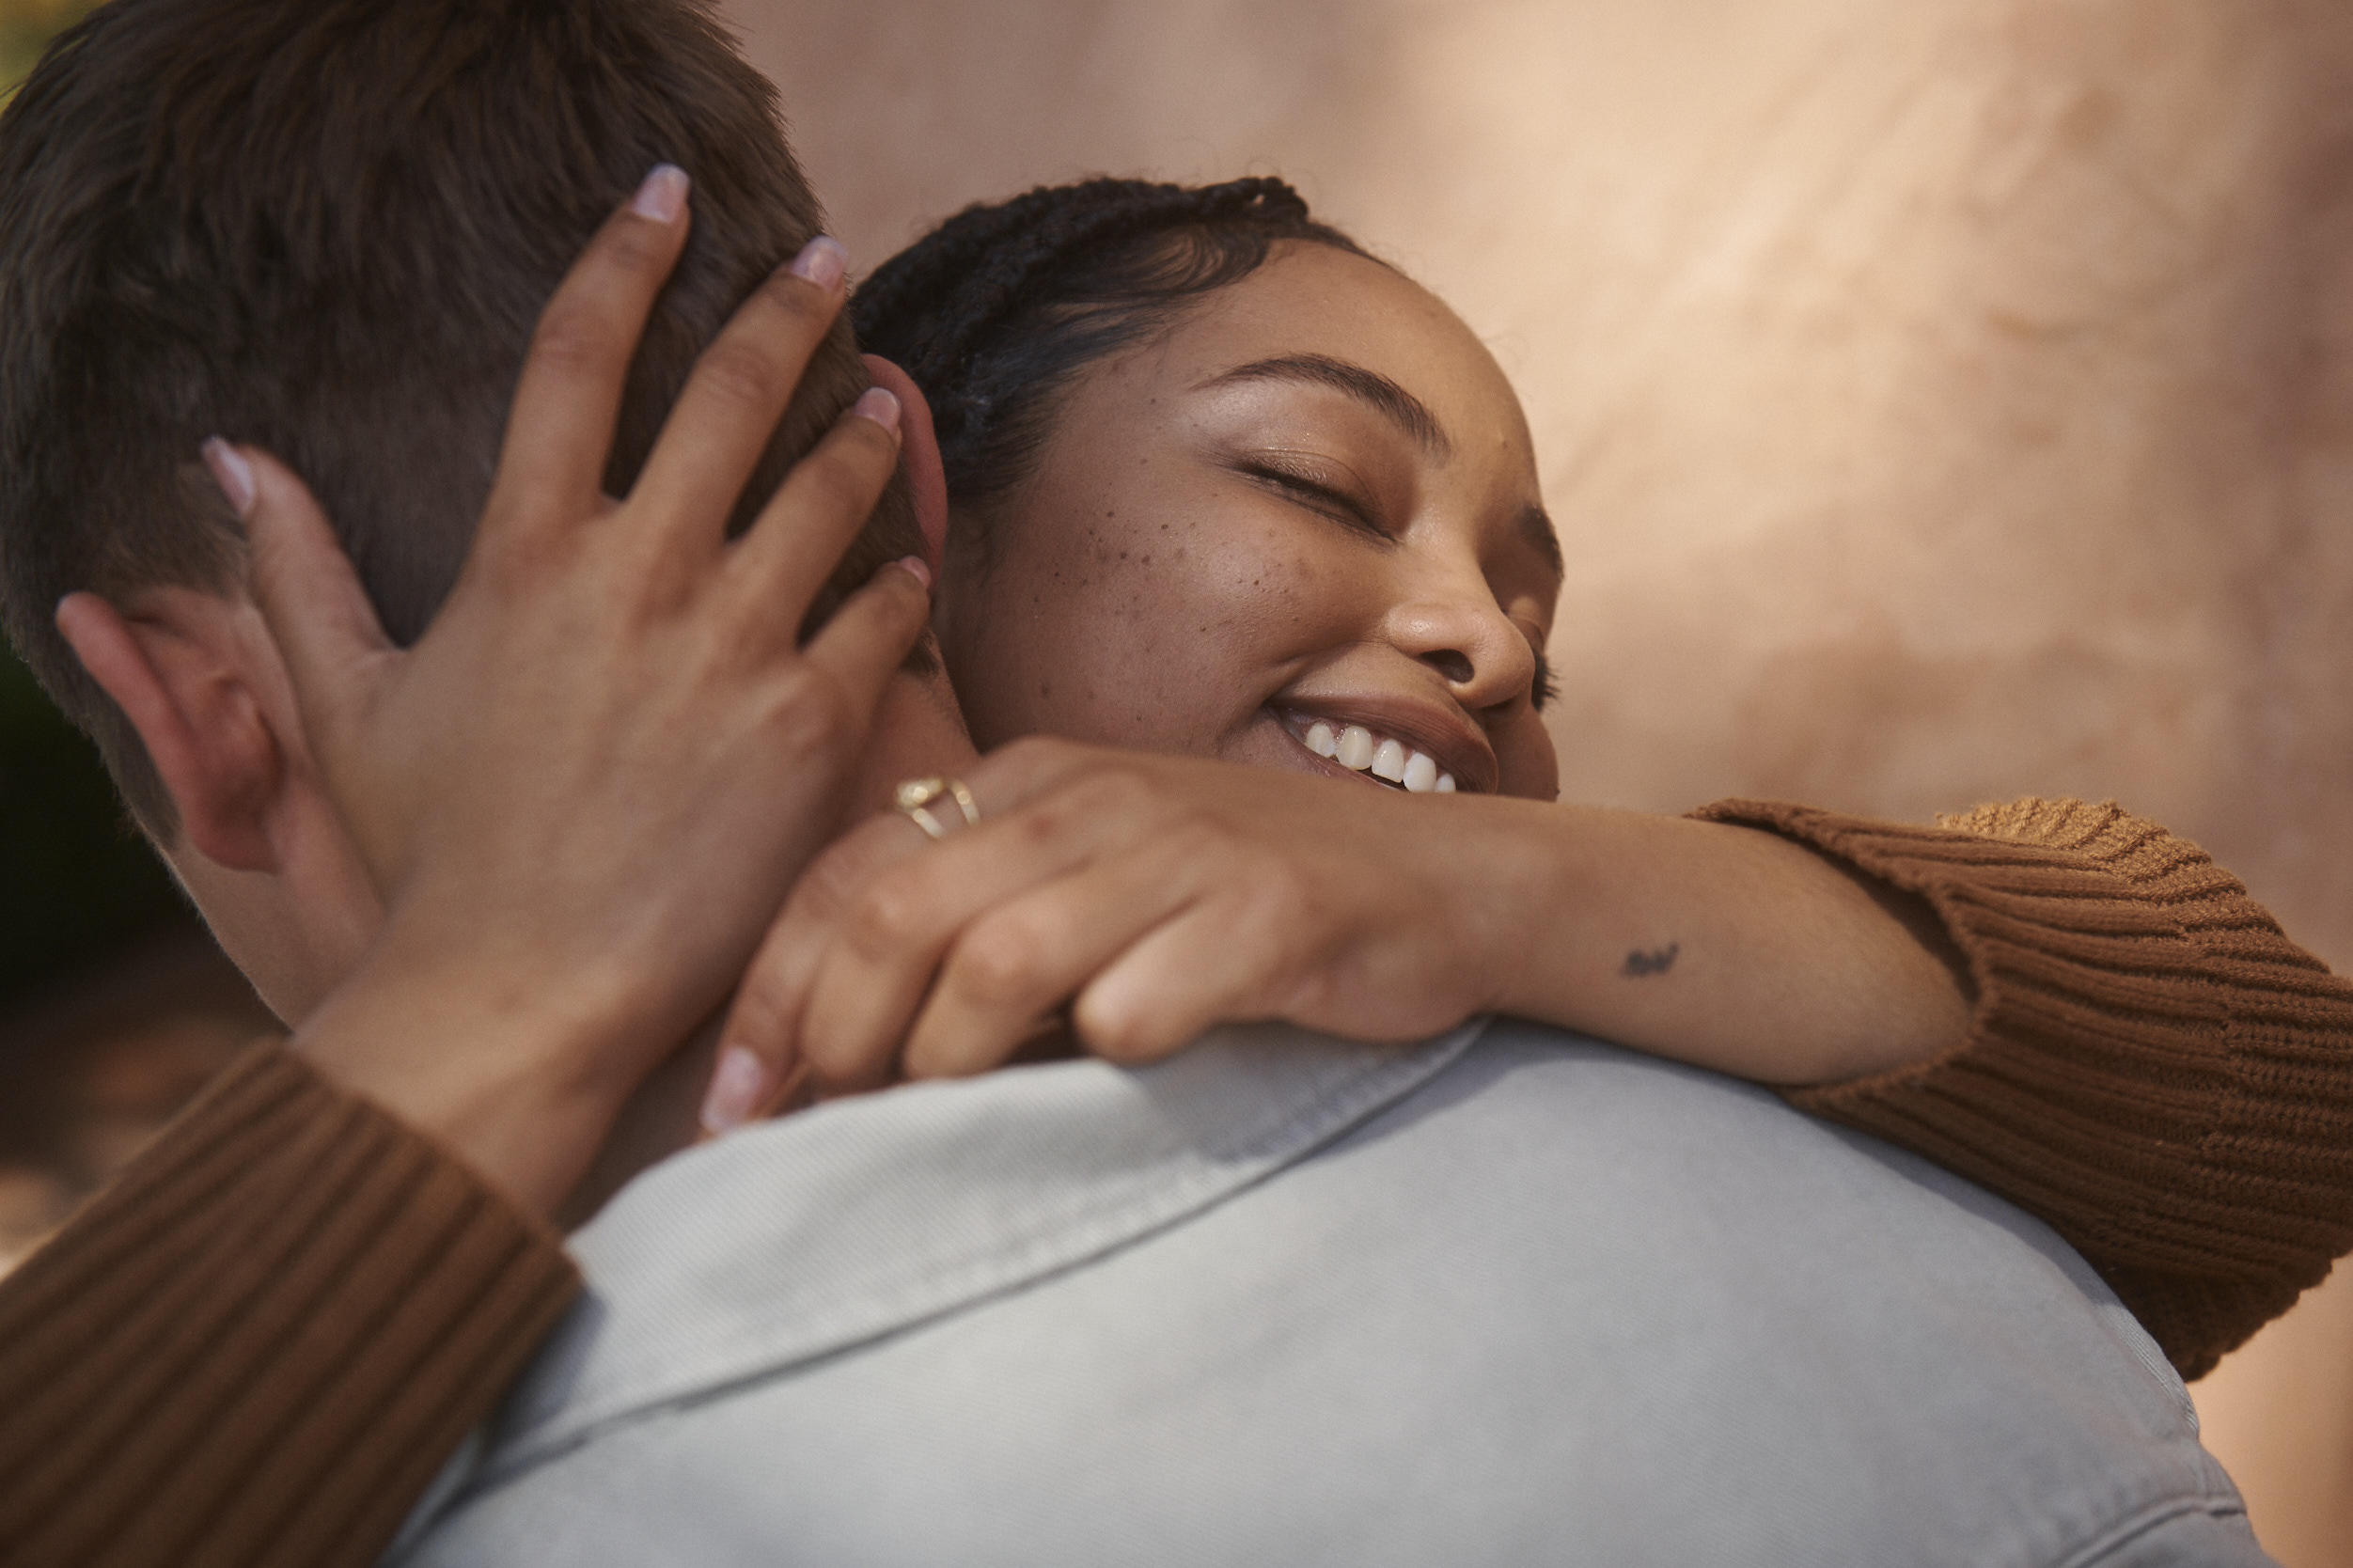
(1352, 745)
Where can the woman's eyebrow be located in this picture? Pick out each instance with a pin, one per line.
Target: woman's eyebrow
(1401, 407)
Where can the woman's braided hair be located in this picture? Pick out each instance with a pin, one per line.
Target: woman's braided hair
(993, 312)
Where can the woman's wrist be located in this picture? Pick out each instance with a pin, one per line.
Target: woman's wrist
(1515, 892)
(520, 1071)
(1574, 906)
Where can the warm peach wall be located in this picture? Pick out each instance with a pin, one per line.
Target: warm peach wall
(1940, 399)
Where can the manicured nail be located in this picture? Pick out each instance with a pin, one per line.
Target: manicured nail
(822, 261)
(916, 568)
(880, 405)
(232, 473)
(663, 196)
(737, 1085)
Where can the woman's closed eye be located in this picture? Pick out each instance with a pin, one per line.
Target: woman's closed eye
(1313, 492)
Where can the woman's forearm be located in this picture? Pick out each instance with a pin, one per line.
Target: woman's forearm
(1725, 947)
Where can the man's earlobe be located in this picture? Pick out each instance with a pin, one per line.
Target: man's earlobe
(918, 454)
(178, 674)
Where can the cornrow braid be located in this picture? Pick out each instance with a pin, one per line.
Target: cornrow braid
(995, 310)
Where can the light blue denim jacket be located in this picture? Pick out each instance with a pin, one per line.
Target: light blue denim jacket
(1509, 1297)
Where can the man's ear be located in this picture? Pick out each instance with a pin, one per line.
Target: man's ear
(918, 454)
(181, 667)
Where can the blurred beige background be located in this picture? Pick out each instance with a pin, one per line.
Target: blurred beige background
(1941, 400)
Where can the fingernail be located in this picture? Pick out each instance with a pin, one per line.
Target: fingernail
(232, 473)
(663, 196)
(737, 1085)
(880, 405)
(916, 568)
(822, 261)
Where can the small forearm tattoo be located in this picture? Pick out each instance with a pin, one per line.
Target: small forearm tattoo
(1640, 964)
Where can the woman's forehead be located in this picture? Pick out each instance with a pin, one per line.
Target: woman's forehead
(1322, 304)
(1349, 320)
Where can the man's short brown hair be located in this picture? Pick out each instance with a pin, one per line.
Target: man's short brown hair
(326, 228)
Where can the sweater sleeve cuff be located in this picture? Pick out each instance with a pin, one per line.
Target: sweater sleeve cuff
(2152, 1068)
(262, 1341)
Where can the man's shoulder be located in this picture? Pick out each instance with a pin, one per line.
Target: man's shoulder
(1291, 1301)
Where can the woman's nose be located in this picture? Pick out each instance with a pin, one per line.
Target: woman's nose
(1473, 646)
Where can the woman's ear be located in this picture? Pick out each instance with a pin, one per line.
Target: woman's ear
(178, 666)
(918, 454)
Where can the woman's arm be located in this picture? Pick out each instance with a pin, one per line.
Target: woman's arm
(1160, 895)
(2058, 1001)
(1708, 942)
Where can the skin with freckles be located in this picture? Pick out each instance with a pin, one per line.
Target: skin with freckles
(1313, 499)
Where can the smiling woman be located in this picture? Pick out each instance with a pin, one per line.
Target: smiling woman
(1273, 533)
(1194, 509)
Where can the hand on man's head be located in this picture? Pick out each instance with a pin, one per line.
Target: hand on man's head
(588, 786)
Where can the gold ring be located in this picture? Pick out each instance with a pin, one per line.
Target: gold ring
(914, 797)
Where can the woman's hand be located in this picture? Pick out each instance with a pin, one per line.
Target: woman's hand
(1154, 896)
(584, 792)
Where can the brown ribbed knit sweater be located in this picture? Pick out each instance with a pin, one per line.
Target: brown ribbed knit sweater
(259, 1345)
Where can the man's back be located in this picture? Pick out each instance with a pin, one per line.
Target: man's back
(1508, 1299)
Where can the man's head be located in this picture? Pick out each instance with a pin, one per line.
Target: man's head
(326, 229)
